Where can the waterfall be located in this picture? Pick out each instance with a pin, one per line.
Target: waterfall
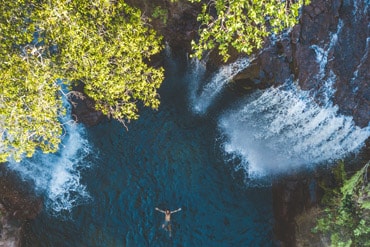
(57, 176)
(211, 88)
(284, 129)
(195, 76)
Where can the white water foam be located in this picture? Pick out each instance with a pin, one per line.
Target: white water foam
(57, 176)
(201, 101)
(197, 70)
(284, 130)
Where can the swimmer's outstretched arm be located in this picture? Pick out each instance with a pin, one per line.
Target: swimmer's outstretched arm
(160, 210)
(174, 211)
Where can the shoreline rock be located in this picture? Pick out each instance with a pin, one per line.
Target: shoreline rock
(18, 204)
(297, 203)
(324, 30)
(83, 110)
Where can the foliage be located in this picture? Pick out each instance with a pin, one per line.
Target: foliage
(242, 24)
(161, 14)
(106, 45)
(346, 217)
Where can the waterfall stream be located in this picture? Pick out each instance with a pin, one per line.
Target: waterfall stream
(208, 91)
(57, 176)
(284, 129)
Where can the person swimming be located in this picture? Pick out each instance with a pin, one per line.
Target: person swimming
(167, 218)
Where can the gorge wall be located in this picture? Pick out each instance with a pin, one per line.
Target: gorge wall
(330, 43)
(18, 204)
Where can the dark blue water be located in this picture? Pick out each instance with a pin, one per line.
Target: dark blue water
(168, 159)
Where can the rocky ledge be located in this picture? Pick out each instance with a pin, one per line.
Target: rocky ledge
(17, 205)
(330, 45)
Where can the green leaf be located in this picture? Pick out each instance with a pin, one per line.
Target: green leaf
(104, 45)
(242, 18)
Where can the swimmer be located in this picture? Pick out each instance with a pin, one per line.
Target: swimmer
(167, 218)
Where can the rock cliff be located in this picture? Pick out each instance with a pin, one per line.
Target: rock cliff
(330, 45)
(17, 205)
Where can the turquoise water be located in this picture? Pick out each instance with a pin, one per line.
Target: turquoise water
(168, 159)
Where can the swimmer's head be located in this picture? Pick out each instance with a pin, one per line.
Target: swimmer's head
(167, 211)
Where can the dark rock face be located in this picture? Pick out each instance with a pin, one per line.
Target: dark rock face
(330, 44)
(16, 197)
(345, 23)
(317, 22)
(352, 63)
(83, 110)
(271, 67)
(290, 197)
(17, 205)
(293, 196)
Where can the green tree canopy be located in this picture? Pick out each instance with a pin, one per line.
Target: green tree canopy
(242, 24)
(106, 45)
(345, 218)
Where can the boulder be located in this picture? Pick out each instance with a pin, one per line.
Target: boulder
(18, 204)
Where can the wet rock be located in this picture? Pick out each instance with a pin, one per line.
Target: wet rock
(330, 44)
(18, 204)
(291, 196)
(10, 230)
(182, 27)
(83, 110)
(16, 197)
(340, 30)
(270, 68)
